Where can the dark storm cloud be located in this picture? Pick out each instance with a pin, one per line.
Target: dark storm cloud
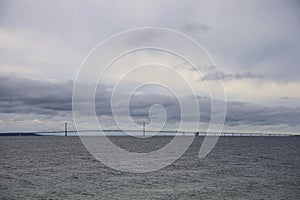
(239, 113)
(18, 95)
(140, 104)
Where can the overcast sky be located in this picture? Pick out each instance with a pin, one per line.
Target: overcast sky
(255, 45)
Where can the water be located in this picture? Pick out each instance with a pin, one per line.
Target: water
(237, 168)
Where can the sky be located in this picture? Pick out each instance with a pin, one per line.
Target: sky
(255, 46)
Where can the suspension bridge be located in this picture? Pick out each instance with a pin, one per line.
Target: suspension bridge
(64, 130)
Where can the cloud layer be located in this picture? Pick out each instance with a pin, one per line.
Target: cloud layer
(24, 96)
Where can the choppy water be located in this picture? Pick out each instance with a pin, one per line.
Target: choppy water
(237, 168)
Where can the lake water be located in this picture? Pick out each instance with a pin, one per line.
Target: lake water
(53, 167)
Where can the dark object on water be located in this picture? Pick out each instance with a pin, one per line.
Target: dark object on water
(19, 134)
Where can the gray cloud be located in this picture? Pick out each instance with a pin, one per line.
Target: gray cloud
(230, 76)
(196, 27)
(245, 113)
(261, 37)
(18, 95)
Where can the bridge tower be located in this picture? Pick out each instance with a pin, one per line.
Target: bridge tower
(144, 129)
(66, 129)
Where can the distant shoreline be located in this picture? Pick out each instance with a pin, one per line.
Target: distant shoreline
(235, 135)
